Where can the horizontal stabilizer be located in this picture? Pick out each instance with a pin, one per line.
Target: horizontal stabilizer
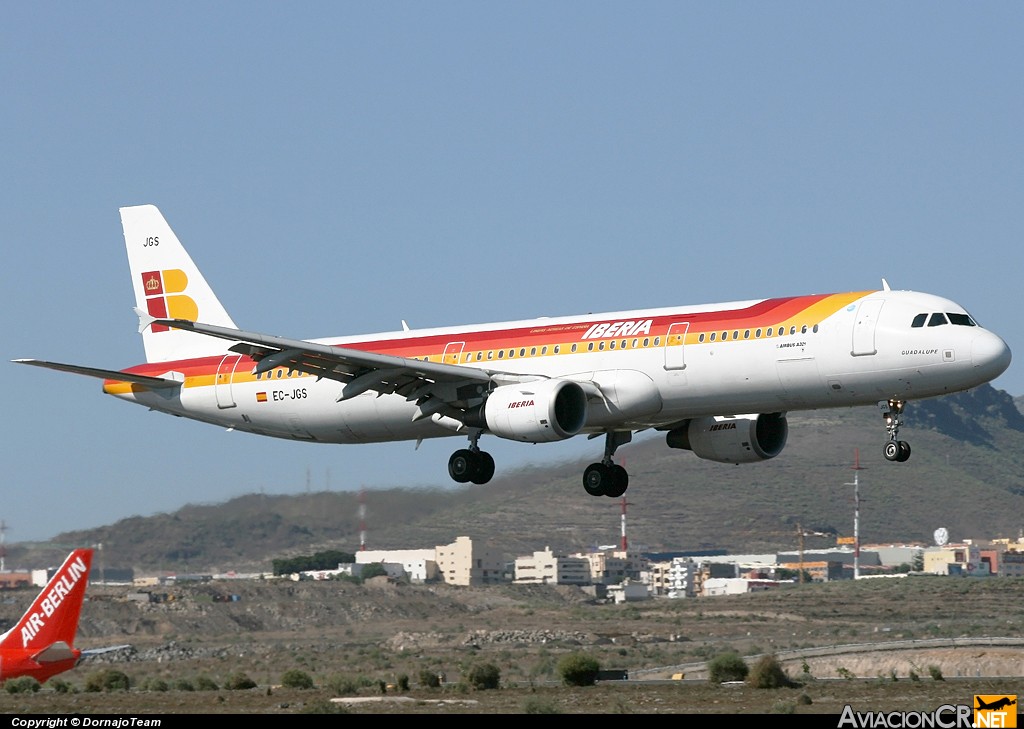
(154, 382)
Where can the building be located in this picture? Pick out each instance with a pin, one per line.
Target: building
(546, 568)
(464, 563)
(416, 565)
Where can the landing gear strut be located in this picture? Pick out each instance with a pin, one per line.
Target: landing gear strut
(471, 464)
(608, 478)
(896, 449)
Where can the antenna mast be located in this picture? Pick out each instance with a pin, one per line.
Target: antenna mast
(856, 512)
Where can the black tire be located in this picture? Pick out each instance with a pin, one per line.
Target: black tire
(461, 465)
(595, 478)
(484, 470)
(904, 451)
(618, 481)
(891, 451)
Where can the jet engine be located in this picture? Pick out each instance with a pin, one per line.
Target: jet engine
(733, 439)
(536, 412)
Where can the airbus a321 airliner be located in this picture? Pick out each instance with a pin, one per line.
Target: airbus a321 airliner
(718, 379)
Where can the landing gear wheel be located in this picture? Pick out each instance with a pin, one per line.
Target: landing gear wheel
(892, 451)
(618, 481)
(484, 469)
(461, 465)
(595, 478)
(904, 451)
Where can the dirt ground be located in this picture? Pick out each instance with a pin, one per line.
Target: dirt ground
(908, 645)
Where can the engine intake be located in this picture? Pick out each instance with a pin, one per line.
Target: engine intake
(733, 439)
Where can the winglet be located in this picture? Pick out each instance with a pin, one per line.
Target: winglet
(885, 285)
(145, 319)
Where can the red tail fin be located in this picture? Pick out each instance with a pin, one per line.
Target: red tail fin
(53, 617)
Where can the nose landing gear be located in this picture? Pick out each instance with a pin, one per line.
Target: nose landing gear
(896, 449)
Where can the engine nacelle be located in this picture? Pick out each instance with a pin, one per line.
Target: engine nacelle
(736, 439)
(536, 412)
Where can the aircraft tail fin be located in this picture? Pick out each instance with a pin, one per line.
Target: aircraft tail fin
(169, 285)
(49, 626)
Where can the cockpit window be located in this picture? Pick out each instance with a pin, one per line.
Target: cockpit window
(937, 320)
(962, 320)
(919, 320)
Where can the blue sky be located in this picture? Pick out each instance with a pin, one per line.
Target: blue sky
(337, 167)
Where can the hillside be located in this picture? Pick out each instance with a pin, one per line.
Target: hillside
(966, 474)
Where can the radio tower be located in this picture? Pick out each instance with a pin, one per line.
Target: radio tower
(362, 520)
(856, 512)
(625, 544)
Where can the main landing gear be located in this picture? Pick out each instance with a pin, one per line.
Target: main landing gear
(608, 478)
(896, 449)
(471, 464)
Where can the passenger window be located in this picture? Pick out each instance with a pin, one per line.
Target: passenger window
(479, 356)
(622, 344)
(815, 329)
(490, 355)
(657, 341)
(574, 348)
(937, 320)
(611, 344)
(803, 329)
(768, 332)
(590, 346)
(725, 336)
(501, 354)
(635, 343)
(746, 334)
(782, 330)
(533, 351)
(736, 334)
(919, 320)
(601, 346)
(701, 337)
(522, 352)
(557, 346)
(792, 330)
(757, 334)
(712, 336)
(647, 342)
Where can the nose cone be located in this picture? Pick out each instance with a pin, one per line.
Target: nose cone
(990, 355)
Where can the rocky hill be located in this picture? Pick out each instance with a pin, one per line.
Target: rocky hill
(966, 474)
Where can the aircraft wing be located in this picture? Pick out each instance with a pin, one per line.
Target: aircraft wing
(153, 382)
(443, 384)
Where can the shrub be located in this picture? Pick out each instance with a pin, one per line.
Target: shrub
(22, 685)
(578, 669)
(429, 678)
(296, 679)
(767, 673)
(322, 706)
(205, 683)
(538, 706)
(155, 684)
(727, 666)
(484, 676)
(239, 682)
(107, 680)
(402, 682)
(342, 685)
(61, 686)
(936, 673)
